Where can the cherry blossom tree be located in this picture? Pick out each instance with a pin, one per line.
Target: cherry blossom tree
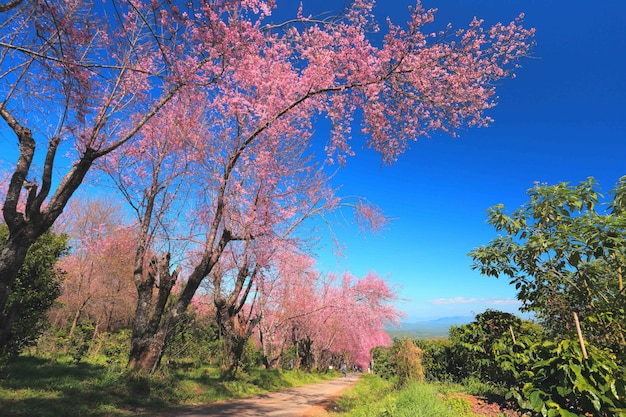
(97, 284)
(261, 83)
(325, 318)
(84, 77)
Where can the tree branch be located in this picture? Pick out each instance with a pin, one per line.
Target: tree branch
(27, 151)
(11, 4)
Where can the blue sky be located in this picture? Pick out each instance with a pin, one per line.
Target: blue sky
(562, 119)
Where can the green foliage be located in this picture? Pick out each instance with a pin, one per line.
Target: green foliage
(80, 342)
(36, 288)
(554, 379)
(382, 362)
(102, 349)
(377, 397)
(115, 346)
(437, 359)
(195, 341)
(407, 360)
(564, 251)
(32, 386)
(477, 348)
(402, 361)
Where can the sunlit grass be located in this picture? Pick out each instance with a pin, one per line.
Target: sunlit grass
(44, 388)
(376, 397)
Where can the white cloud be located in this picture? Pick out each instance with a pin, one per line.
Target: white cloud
(486, 301)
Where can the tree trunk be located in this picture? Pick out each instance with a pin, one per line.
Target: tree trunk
(147, 350)
(233, 337)
(152, 325)
(12, 257)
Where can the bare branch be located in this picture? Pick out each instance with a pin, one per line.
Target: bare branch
(11, 4)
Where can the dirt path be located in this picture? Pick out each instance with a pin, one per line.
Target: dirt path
(294, 402)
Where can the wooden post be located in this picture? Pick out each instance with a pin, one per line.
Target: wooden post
(580, 336)
(512, 334)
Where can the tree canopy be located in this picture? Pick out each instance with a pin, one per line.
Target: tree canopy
(564, 250)
(219, 101)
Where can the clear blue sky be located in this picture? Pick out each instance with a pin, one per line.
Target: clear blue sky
(562, 119)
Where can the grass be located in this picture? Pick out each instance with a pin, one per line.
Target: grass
(375, 397)
(37, 387)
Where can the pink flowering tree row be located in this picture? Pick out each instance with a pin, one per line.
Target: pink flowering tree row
(96, 285)
(325, 319)
(204, 113)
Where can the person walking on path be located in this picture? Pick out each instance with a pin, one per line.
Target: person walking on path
(344, 369)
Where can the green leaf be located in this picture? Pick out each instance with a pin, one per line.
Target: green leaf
(574, 259)
(535, 400)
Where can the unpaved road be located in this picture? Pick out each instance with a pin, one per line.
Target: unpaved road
(294, 402)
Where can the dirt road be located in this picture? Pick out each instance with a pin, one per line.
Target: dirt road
(294, 402)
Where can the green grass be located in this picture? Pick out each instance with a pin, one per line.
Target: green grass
(375, 397)
(36, 387)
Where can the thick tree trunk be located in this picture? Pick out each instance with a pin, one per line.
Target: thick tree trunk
(234, 342)
(147, 350)
(152, 325)
(25, 227)
(235, 331)
(12, 257)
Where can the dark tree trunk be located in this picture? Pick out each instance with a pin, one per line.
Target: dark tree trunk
(233, 341)
(152, 326)
(234, 327)
(25, 227)
(235, 330)
(12, 257)
(147, 350)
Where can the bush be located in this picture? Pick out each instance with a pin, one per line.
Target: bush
(476, 348)
(381, 362)
(437, 359)
(195, 341)
(403, 360)
(80, 343)
(554, 379)
(407, 358)
(115, 346)
(36, 288)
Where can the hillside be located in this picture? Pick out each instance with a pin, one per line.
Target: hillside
(427, 329)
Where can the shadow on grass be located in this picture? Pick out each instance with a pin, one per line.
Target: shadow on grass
(37, 387)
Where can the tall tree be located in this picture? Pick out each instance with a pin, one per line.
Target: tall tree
(85, 77)
(324, 317)
(97, 285)
(564, 251)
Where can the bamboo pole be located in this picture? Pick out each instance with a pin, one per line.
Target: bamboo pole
(580, 336)
(512, 334)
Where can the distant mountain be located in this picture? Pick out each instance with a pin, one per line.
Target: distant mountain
(442, 321)
(428, 329)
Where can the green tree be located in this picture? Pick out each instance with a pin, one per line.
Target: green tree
(564, 251)
(402, 361)
(36, 288)
(558, 379)
(477, 348)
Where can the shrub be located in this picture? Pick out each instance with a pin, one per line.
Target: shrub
(556, 380)
(36, 288)
(407, 358)
(436, 359)
(403, 360)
